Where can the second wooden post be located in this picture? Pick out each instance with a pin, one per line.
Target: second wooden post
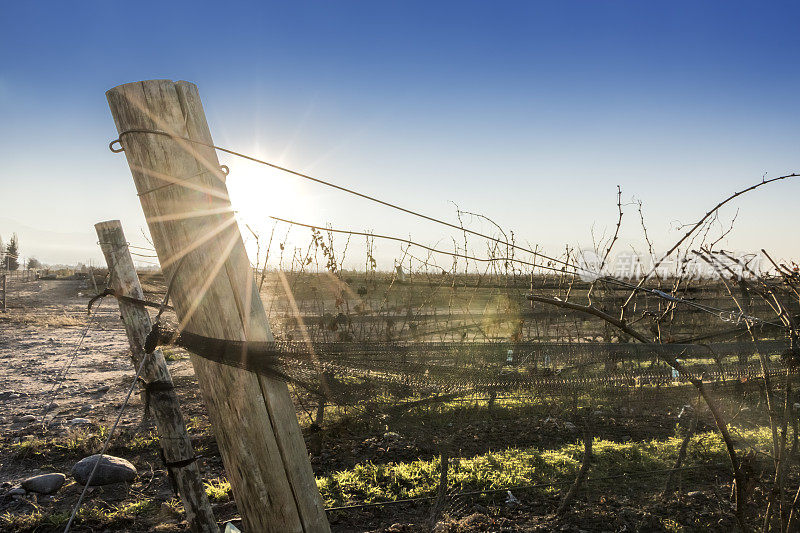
(174, 439)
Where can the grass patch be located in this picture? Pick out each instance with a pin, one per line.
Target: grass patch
(116, 514)
(171, 354)
(32, 521)
(76, 442)
(95, 516)
(81, 442)
(370, 482)
(218, 490)
(134, 442)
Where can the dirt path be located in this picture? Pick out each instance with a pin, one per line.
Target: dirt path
(39, 338)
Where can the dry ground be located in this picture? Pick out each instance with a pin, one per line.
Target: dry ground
(39, 338)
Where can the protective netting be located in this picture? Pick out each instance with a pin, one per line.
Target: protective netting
(395, 376)
(337, 370)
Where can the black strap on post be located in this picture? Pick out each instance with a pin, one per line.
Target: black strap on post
(263, 358)
(182, 463)
(122, 298)
(169, 465)
(157, 386)
(153, 386)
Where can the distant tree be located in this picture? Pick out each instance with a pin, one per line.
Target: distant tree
(33, 264)
(12, 253)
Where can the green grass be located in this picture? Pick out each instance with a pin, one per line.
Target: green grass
(84, 441)
(173, 355)
(95, 516)
(76, 442)
(31, 521)
(117, 513)
(218, 490)
(371, 482)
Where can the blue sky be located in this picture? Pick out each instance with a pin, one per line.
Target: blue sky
(530, 113)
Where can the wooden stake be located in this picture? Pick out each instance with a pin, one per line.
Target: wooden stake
(91, 271)
(583, 473)
(440, 498)
(174, 438)
(185, 201)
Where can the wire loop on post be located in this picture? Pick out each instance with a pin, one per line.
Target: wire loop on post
(116, 150)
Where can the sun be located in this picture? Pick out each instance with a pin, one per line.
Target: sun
(258, 192)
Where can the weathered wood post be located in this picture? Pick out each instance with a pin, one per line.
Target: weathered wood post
(185, 201)
(175, 441)
(91, 270)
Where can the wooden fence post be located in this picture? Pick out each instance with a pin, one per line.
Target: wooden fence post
(91, 270)
(5, 292)
(185, 201)
(175, 441)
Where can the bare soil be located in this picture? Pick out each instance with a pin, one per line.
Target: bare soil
(40, 341)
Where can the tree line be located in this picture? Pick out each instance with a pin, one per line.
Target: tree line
(10, 258)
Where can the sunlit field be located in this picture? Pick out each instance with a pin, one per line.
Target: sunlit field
(399, 267)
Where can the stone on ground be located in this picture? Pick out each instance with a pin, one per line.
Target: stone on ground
(45, 483)
(111, 470)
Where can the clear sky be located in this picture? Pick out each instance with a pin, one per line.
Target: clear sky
(528, 112)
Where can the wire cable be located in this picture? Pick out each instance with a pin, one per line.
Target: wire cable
(54, 390)
(718, 312)
(105, 444)
(333, 186)
(414, 243)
